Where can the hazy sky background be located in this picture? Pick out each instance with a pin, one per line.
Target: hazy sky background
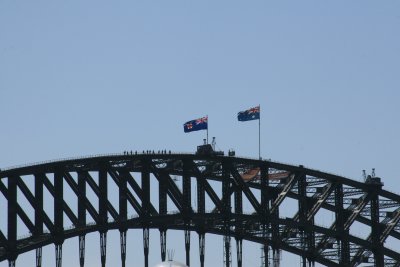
(89, 77)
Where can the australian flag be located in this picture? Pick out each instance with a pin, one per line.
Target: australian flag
(250, 114)
(195, 125)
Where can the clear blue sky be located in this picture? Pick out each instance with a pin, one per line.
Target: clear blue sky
(89, 77)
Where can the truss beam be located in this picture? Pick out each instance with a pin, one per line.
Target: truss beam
(272, 186)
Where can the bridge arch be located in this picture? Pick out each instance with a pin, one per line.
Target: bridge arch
(184, 179)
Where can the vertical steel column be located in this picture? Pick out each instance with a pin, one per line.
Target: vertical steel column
(162, 197)
(201, 203)
(103, 216)
(81, 215)
(265, 256)
(122, 238)
(82, 250)
(303, 210)
(201, 208)
(82, 199)
(163, 242)
(238, 225)
(375, 186)
(226, 197)
(39, 257)
(187, 189)
(265, 208)
(146, 187)
(58, 203)
(239, 253)
(38, 215)
(275, 233)
(187, 246)
(58, 255)
(201, 248)
(146, 246)
(103, 248)
(12, 219)
(58, 214)
(226, 200)
(344, 247)
(162, 203)
(146, 209)
(276, 258)
(376, 232)
(103, 195)
(123, 215)
(123, 201)
(227, 251)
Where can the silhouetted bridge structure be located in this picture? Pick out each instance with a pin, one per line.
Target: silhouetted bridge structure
(265, 185)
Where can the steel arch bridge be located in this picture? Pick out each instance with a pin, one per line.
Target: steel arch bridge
(184, 179)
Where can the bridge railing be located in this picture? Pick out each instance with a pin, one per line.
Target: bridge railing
(59, 159)
(136, 152)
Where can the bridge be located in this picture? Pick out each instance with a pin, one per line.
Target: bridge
(184, 179)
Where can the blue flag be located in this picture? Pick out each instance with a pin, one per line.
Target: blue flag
(196, 125)
(250, 114)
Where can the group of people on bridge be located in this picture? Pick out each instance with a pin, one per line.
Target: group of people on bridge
(148, 152)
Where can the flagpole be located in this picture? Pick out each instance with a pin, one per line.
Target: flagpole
(259, 133)
(207, 129)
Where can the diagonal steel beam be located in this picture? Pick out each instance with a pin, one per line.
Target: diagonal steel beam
(25, 219)
(20, 212)
(355, 211)
(207, 187)
(65, 207)
(96, 190)
(245, 188)
(211, 193)
(232, 189)
(31, 199)
(139, 192)
(74, 186)
(320, 201)
(281, 196)
(385, 233)
(390, 226)
(172, 189)
(131, 199)
(314, 209)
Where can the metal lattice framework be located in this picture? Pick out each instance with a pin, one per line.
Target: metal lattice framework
(265, 185)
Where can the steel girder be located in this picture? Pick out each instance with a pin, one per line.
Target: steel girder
(353, 203)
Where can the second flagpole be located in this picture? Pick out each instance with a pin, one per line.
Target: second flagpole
(259, 133)
(207, 129)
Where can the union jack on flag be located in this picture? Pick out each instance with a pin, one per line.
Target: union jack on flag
(196, 125)
(249, 114)
(254, 110)
(202, 120)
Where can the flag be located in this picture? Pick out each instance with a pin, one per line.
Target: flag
(250, 114)
(196, 125)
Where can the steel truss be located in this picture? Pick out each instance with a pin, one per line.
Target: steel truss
(351, 203)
